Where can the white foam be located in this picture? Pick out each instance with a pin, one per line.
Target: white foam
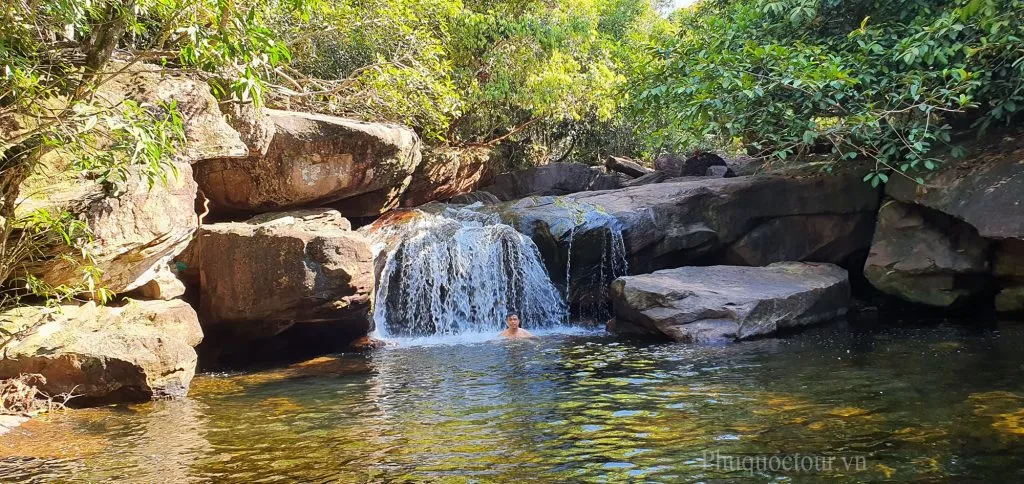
(481, 337)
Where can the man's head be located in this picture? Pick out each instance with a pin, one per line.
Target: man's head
(512, 321)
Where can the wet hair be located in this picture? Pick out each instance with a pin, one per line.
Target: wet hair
(510, 315)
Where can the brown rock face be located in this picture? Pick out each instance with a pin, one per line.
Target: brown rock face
(626, 166)
(261, 276)
(725, 303)
(133, 232)
(447, 172)
(142, 225)
(362, 169)
(136, 352)
(165, 285)
(926, 257)
(207, 132)
(552, 179)
(254, 126)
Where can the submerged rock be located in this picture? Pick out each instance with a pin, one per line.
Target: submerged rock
(10, 422)
(261, 276)
(926, 257)
(725, 303)
(361, 168)
(135, 352)
(367, 343)
(552, 179)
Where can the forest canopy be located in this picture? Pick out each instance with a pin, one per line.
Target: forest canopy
(892, 82)
(885, 81)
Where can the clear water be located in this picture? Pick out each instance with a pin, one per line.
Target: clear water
(939, 403)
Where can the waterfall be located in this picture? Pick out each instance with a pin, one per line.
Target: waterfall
(459, 271)
(583, 245)
(587, 288)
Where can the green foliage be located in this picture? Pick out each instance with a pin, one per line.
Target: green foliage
(55, 55)
(41, 237)
(474, 72)
(889, 82)
(140, 136)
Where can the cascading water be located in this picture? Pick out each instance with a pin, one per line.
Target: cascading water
(583, 247)
(459, 271)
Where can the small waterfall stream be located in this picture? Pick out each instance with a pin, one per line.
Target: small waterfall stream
(582, 245)
(459, 271)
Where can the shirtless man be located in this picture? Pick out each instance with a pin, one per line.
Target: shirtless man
(514, 331)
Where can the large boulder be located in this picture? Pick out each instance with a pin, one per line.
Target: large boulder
(963, 235)
(725, 303)
(254, 126)
(926, 257)
(207, 131)
(360, 168)
(133, 231)
(695, 221)
(587, 239)
(261, 276)
(986, 191)
(552, 179)
(626, 166)
(166, 283)
(140, 223)
(138, 351)
(446, 173)
(820, 237)
(1010, 300)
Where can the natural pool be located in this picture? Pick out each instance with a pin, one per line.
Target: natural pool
(942, 402)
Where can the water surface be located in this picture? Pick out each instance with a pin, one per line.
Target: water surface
(935, 403)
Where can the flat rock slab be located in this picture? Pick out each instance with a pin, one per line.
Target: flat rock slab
(728, 303)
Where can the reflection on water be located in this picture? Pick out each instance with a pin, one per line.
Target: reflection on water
(939, 403)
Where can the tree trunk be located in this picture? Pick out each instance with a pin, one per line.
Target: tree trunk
(106, 35)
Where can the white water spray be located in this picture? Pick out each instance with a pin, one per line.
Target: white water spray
(460, 272)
